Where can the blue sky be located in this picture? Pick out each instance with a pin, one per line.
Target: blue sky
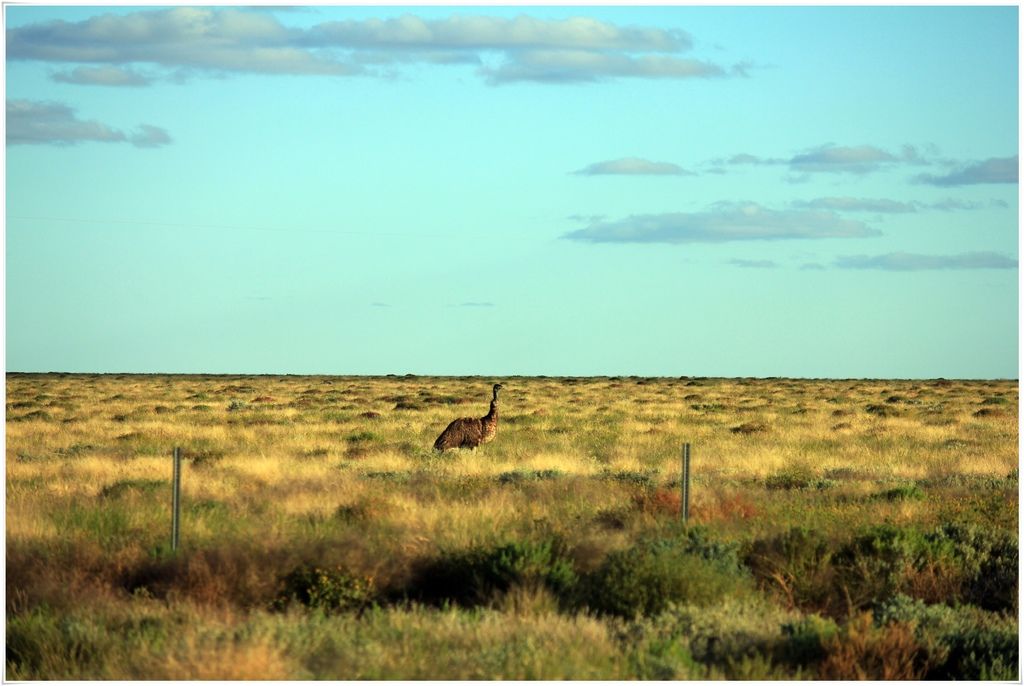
(669, 190)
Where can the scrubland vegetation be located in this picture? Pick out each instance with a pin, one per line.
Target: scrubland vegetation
(838, 530)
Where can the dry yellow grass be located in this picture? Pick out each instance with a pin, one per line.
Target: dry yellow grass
(298, 445)
(340, 470)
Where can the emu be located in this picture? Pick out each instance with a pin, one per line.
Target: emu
(469, 432)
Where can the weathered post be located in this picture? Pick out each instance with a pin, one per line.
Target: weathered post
(685, 509)
(176, 500)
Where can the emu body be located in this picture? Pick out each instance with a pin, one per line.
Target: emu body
(469, 432)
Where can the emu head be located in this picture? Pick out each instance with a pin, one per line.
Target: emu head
(497, 387)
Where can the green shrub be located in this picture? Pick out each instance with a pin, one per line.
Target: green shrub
(951, 564)
(43, 644)
(905, 492)
(663, 660)
(805, 640)
(328, 589)
(973, 644)
(647, 578)
(989, 558)
(701, 641)
(792, 477)
(882, 410)
(362, 437)
(477, 575)
(877, 564)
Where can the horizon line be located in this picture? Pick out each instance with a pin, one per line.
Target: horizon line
(526, 376)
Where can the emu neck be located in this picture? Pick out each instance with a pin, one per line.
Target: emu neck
(492, 414)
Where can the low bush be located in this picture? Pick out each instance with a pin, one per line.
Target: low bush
(989, 559)
(476, 576)
(720, 640)
(223, 575)
(796, 565)
(330, 589)
(792, 477)
(659, 501)
(649, 577)
(881, 562)
(905, 492)
(969, 643)
(805, 641)
(952, 564)
(882, 410)
(59, 647)
(863, 651)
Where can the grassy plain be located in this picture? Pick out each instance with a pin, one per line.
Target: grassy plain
(839, 528)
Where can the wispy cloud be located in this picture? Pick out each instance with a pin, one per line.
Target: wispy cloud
(192, 38)
(859, 159)
(189, 40)
(992, 170)
(829, 158)
(951, 204)
(31, 122)
(494, 33)
(580, 66)
(149, 137)
(888, 206)
(633, 166)
(754, 264)
(724, 222)
(746, 158)
(102, 76)
(847, 204)
(721, 165)
(53, 123)
(902, 261)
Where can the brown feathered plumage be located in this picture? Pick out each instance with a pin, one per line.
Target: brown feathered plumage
(469, 432)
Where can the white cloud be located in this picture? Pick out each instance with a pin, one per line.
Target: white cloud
(232, 40)
(724, 222)
(902, 261)
(847, 204)
(149, 137)
(569, 66)
(633, 166)
(102, 76)
(52, 123)
(841, 159)
(494, 33)
(992, 170)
